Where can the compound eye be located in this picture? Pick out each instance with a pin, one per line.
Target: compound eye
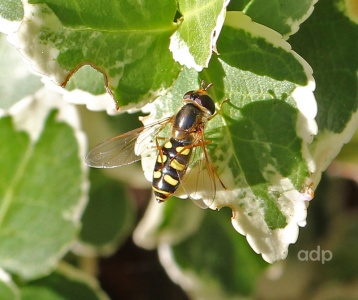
(206, 101)
(189, 95)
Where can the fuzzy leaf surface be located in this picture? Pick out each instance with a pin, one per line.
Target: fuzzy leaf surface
(260, 137)
(41, 187)
(128, 45)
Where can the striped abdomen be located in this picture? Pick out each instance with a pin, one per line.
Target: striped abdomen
(170, 167)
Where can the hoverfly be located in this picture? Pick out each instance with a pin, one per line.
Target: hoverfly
(175, 156)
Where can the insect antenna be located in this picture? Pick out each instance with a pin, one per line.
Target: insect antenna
(207, 87)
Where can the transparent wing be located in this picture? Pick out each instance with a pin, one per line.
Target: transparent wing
(119, 150)
(200, 180)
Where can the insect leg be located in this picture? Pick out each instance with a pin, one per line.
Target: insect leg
(160, 150)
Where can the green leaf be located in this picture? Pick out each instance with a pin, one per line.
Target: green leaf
(41, 185)
(334, 60)
(214, 249)
(237, 5)
(260, 137)
(109, 216)
(8, 289)
(65, 283)
(339, 86)
(193, 42)
(167, 223)
(252, 47)
(284, 16)
(199, 249)
(87, 79)
(128, 45)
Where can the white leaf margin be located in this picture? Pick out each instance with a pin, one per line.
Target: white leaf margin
(29, 115)
(77, 275)
(181, 50)
(273, 244)
(7, 26)
(197, 287)
(42, 59)
(328, 144)
(148, 233)
(7, 281)
(294, 24)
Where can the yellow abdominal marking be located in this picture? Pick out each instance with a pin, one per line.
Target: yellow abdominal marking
(182, 151)
(160, 191)
(157, 174)
(161, 158)
(168, 145)
(177, 165)
(170, 180)
(160, 199)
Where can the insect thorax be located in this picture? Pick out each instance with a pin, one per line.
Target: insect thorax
(188, 121)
